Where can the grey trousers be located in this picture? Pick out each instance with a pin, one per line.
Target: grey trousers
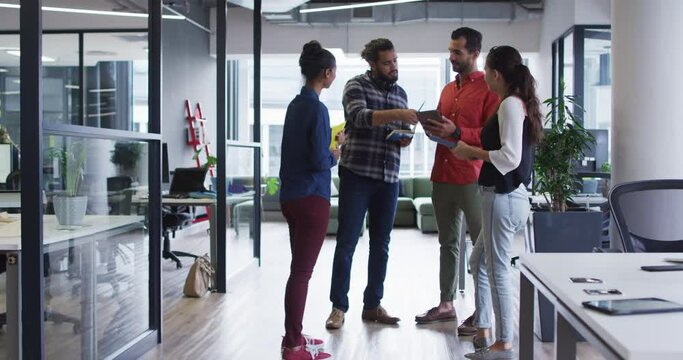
(450, 202)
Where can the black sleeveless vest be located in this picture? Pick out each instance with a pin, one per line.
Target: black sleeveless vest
(490, 176)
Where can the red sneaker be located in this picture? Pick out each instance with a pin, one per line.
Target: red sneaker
(310, 349)
(309, 341)
(304, 353)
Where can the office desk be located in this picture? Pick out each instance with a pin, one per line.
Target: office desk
(650, 336)
(210, 203)
(582, 200)
(56, 237)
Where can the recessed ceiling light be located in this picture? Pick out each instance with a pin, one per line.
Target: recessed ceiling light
(94, 12)
(103, 90)
(3, 70)
(353, 6)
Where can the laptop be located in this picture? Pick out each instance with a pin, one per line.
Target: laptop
(187, 180)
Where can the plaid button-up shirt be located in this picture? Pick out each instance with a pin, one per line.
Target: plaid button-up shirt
(365, 151)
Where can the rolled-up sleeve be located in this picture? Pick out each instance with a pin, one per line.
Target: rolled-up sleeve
(511, 116)
(355, 105)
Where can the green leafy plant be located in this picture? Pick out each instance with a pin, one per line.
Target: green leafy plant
(606, 167)
(211, 160)
(126, 154)
(562, 147)
(272, 185)
(71, 161)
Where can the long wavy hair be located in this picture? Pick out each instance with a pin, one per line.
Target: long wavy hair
(520, 82)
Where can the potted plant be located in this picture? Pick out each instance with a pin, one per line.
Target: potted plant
(126, 155)
(69, 205)
(555, 228)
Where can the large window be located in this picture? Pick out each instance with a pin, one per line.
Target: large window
(423, 78)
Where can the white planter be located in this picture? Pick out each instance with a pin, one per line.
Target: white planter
(70, 210)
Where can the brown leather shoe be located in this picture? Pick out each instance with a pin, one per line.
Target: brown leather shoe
(467, 327)
(335, 320)
(434, 315)
(379, 315)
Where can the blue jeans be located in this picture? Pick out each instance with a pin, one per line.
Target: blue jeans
(503, 215)
(358, 194)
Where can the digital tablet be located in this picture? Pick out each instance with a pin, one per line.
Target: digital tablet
(677, 267)
(633, 306)
(422, 116)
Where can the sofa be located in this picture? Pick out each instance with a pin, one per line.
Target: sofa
(418, 192)
(413, 208)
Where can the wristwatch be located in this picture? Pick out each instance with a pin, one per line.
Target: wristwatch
(456, 133)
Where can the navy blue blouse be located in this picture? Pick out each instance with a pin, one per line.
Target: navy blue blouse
(306, 158)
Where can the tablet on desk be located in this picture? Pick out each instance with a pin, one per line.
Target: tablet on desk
(633, 306)
(676, 267)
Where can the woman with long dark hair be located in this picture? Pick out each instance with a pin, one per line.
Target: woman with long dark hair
(305, 192)
(508, 140)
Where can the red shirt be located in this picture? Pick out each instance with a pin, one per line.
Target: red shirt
(468, 103)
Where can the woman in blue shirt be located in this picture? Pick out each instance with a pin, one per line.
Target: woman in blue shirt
(305, 191)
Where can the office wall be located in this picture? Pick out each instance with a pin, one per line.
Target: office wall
(419, 37)
(189, 72)
(558, 17)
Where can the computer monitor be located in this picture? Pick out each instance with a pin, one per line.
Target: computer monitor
(598, 152)
(165, 175)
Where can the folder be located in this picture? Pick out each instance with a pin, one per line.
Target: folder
(336, 130)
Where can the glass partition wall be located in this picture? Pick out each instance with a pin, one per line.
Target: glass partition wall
(10, 196)
(581, 61)
(87, 257)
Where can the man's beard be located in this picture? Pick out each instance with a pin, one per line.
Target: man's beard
(460, 67)
(388, 79)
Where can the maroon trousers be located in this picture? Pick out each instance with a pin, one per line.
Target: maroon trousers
(307, 219)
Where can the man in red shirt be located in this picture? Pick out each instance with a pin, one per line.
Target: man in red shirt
(465, 105)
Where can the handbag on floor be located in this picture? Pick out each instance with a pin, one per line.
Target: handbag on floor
(199, 278)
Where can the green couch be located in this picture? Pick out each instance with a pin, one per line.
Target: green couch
(414, 206)
(422, 201)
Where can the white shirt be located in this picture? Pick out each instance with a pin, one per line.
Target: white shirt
(511, 116)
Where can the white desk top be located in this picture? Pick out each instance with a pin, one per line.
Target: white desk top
(650, 336)
(10, 233)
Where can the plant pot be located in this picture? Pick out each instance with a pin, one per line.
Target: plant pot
(576, 231)
(70, 210)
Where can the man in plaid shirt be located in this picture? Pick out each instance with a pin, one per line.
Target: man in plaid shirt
(368, 173)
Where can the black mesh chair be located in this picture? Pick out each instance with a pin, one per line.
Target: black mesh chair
(174, 218)
(648, 215)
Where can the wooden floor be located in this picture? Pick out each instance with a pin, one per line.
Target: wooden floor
(247, 322)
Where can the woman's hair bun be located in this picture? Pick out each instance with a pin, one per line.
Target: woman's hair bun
(312, 48)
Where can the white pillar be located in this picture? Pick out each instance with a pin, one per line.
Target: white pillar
(647, 113)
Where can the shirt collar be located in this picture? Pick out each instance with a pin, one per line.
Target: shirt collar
(309, 93)
(472, 77)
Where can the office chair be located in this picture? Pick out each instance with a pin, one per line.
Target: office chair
(14, 183)
(119, 194)
(647, 215)
(174, 218)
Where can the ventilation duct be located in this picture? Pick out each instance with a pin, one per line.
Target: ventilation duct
(413, 12)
